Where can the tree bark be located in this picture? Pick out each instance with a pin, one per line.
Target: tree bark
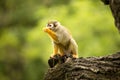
(91, 68)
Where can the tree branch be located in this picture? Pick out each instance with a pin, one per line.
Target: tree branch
(91, 68)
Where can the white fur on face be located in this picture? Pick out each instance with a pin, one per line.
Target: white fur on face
(50, 25)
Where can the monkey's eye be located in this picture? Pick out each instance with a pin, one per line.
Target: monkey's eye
(50, 25)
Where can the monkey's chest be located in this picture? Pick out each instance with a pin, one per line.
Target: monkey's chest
(64, 45)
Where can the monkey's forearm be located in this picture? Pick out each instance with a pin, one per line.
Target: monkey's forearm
(51, 33)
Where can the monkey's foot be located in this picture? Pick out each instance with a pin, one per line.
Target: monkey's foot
(75, 56)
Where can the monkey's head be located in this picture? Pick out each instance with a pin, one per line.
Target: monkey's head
(53, 25)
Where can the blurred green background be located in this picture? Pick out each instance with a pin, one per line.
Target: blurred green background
(25, 48)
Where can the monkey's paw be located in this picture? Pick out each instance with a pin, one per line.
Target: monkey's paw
(46, 29)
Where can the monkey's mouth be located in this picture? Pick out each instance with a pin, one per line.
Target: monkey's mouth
(51, 28)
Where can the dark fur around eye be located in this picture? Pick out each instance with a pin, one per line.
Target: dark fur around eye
(52, 22)
(55, 24)
(49, 25)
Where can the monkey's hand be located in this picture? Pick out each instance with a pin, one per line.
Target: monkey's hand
(51, 33)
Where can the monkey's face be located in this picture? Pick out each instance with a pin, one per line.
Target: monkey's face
(53, 25)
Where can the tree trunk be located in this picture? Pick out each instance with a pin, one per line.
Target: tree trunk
(115, 8)
(91, 68)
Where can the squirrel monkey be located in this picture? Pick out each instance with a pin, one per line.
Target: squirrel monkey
(62, 40)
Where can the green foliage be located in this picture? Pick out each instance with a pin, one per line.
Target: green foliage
(25, 48)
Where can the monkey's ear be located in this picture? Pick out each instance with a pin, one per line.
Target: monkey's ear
(56, 23)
